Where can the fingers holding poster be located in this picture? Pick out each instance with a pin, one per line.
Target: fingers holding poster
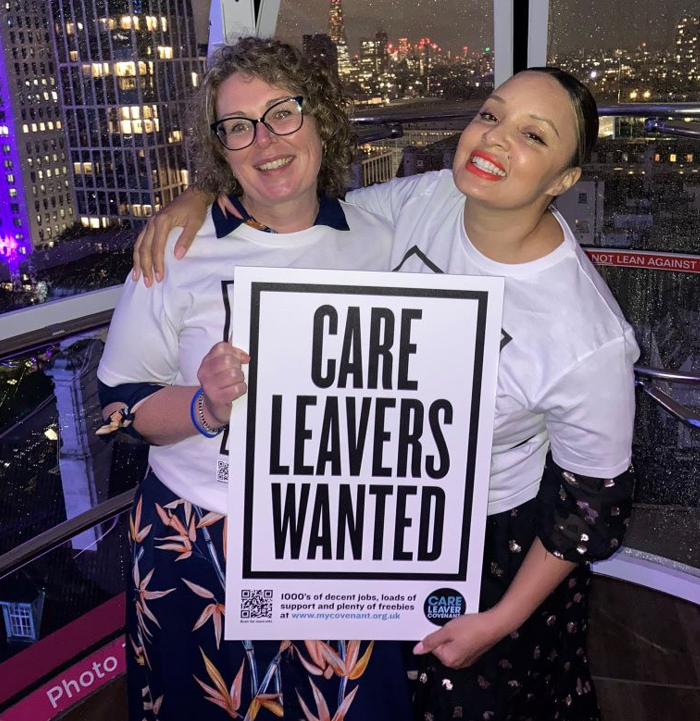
(360, 455)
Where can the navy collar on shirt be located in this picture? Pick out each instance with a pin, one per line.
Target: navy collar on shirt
(330, 213)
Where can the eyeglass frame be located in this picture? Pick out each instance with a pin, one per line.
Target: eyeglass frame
(300, 102)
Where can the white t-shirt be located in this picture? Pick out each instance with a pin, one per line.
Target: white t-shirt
(565, 376)
(161, 334)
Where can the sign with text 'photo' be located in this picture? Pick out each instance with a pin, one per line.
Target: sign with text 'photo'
(360, 454)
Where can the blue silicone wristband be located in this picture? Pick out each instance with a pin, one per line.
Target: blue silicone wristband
(195, 420)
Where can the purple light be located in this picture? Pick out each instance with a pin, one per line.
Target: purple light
(8, 247)
(12, 191)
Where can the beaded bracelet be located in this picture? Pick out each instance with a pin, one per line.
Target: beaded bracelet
(198, 419)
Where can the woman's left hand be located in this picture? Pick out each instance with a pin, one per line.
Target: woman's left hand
(463, 640)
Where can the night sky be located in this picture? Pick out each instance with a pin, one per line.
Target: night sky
(576, 24)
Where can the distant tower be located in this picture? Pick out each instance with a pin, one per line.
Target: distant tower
(688, 46)
(382, 42)
(336, 30)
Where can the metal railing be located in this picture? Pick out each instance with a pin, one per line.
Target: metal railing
(47, 541)
(644, 378)
(684, 130)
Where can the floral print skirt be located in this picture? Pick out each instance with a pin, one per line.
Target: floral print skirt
(181, 669)
(538, 673)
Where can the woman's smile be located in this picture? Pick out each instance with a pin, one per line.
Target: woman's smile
(485, 166)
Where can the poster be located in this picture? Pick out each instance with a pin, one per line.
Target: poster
(360, 455)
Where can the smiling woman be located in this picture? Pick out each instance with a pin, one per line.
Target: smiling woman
(275, 138)
(278, 171)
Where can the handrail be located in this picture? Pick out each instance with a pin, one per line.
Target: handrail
(646, 110)
(28, 328)
(680, 412)
(423, 114)
(671, 406)
(685, 130)
(665, 375)
(49, 540)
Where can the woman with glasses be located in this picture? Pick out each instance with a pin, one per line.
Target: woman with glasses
(274, 136)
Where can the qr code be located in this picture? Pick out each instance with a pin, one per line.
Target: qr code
(256, 603)
(222, 471)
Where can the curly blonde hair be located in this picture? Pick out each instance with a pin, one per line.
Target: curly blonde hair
(281, 65)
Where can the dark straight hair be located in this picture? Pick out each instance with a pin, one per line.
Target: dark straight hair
(584, 107)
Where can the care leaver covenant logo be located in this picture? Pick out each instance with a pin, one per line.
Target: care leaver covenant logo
(443, 605)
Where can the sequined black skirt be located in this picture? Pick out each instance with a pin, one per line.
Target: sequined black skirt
(538, 673)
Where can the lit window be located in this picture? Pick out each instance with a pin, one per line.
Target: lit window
(125, 69)
(127, 22)
(20, 621)
(672, 157)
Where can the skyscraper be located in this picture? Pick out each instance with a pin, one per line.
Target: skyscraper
(336, 30)
(126, 69)
(687, 48)
(36, 197)
(382, 42)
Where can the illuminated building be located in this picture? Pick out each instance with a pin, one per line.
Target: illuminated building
(382, 53)
(427, 53)
(126, 71)
(36, 197)
(687, 50)
(336, 31)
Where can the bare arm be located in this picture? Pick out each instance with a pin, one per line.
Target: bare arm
(164, 417)
(187, 210)
(463, 640)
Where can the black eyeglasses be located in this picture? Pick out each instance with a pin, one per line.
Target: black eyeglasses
(283, 118)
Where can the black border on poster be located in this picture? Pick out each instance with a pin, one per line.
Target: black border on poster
(257, 289)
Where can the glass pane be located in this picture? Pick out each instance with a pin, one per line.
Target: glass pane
(53, 465)
(644, 51)
(640, 194)
(398, 52)
(92, 126)
(55, 592)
